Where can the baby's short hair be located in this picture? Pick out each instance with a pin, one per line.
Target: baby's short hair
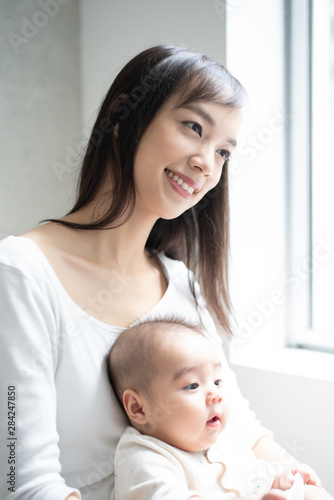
(132, 359)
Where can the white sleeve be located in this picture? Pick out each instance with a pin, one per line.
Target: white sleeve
(145, 472)
(29, 455)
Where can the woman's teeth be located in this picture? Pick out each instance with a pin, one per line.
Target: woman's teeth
(180, 181)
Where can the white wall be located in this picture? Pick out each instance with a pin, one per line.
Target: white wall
(40, 110)
(300, 412)
(114, 31)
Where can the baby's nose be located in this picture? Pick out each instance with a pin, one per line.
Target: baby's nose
(214, 398)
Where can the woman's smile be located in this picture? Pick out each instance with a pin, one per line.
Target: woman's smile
(185, 187)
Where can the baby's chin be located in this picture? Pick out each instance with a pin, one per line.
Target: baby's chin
(195, 446)
(207, 436)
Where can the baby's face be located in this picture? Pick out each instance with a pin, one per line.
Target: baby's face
(185, 406)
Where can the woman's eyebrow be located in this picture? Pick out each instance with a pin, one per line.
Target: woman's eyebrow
(201, 112)
(206, 117)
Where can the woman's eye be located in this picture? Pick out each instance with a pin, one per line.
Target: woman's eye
(192, 387)
(195, 127)
(224, 153)
(218, 382)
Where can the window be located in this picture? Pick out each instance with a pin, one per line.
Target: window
(309, 40)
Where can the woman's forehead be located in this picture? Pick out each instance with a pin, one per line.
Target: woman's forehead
(178, 100)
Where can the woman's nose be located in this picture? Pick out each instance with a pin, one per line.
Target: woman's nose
(204, 161)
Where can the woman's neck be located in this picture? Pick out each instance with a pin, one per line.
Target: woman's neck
(124, 245)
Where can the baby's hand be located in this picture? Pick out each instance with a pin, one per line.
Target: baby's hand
(285, 479)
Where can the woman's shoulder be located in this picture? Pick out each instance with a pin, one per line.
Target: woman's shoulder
(24, 254)
(18, 251)
(25, 244)
(23, 267)
(36, 247)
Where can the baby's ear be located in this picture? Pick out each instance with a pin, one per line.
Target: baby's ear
(133, 406)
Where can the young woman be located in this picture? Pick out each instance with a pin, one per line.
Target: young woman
(152, 203)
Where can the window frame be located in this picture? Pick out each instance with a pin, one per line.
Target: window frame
(300, 256)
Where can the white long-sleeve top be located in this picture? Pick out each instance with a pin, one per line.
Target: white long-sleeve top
(66, 420)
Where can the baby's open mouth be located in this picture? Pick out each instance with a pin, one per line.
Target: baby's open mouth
(213, 420)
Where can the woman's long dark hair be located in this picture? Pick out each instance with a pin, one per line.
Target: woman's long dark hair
(200, 236)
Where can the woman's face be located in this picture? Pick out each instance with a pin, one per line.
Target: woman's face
(181, 155)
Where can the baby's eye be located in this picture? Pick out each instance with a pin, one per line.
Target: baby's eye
(191, 387)
(218, 382)
(224, 153)
(195, 127)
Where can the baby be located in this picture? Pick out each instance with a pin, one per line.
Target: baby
(168, 377)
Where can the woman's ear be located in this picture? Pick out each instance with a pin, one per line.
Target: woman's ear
(133, 406)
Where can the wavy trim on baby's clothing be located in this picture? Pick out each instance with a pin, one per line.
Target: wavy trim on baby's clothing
(219, 480)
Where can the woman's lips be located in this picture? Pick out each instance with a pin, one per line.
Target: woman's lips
(184, 181)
